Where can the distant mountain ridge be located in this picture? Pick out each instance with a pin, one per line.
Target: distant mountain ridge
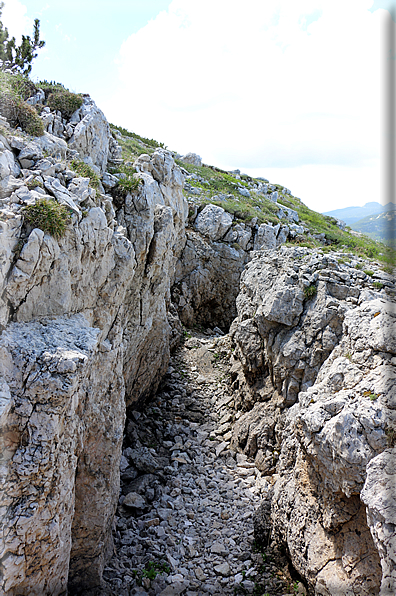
(379, 226)
(353, 214)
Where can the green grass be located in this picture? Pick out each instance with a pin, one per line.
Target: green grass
(310, 291)
(49, 216)
(212, 181)
(129, 184)
(150, 571)
(134, 145)
(83, 169)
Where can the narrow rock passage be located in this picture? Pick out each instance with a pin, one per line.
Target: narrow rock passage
(184, 523)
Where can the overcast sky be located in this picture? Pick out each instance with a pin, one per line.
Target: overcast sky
(285, 89)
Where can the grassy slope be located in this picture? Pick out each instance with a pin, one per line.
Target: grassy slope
(210, 182)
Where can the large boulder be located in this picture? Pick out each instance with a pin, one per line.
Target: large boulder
(213, 222)
(192, 158)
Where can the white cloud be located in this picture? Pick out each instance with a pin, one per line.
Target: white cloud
(15, 19)
(277, 84)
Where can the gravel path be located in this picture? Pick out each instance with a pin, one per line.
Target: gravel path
(184, 523)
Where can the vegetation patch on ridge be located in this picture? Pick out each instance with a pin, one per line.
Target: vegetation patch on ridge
(49, 216)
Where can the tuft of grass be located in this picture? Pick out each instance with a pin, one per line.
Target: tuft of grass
(128, 184)
(368, 272)
(49, 216)
(310, 291)
(378, 285)
(390, 436)
(150, 571)
(84, 170)
(34, 184)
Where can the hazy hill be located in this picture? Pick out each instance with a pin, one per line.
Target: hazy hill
(353, 214)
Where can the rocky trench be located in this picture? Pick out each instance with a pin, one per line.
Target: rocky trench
(301, 431)
(185, 517)
(266, 446)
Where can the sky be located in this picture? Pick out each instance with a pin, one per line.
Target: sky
(291, 91)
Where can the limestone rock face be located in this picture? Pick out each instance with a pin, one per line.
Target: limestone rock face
(59, 467)
(207, 280)
(155, 221)
(8, 165)
(330, 352)
(379, 495)
(91, 136)
(85, 333)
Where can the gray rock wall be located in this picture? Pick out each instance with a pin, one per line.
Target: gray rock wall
(85, 332)
(315, 370)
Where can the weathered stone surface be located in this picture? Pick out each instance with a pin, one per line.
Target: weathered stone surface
(265, 237)
(61, 453)
(8, 165)
(379, 496)
(87, 325)
(91, 134)
(207, 281)
(134, 500)
(192, 158)
(213, 222)
(331, 350)
(87, 309)
(8, 185)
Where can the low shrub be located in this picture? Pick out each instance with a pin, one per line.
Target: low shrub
(49, 216)
(13, 88)
(65, 102)
(29, 120)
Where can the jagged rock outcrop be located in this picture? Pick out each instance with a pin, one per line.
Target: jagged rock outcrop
(379, 495)
(208, 271)
(330, 351)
